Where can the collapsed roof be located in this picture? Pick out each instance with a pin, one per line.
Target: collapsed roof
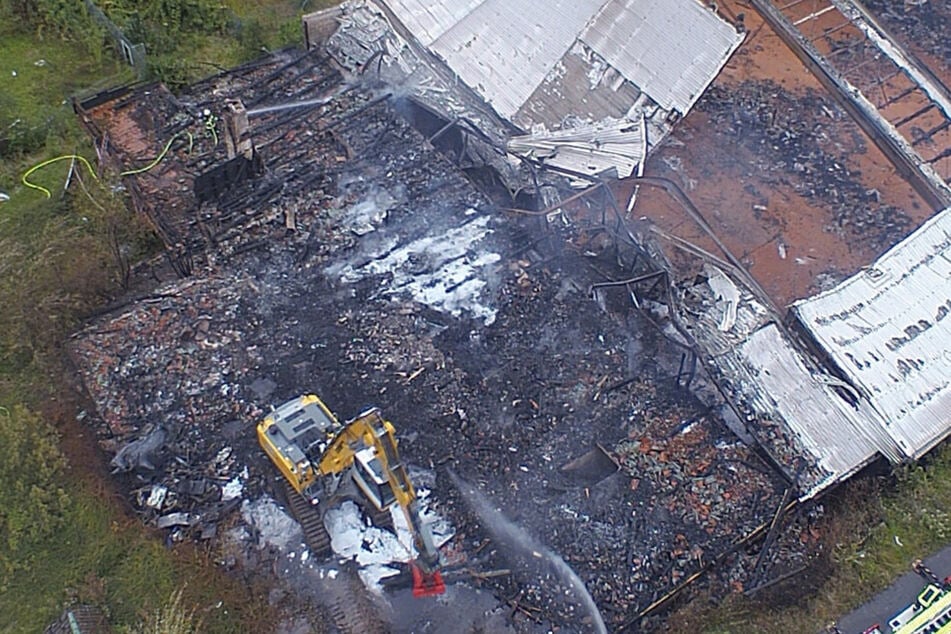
(354, 260)
(325, 147)
(786, 402)
(887, 330)
(588, 86)
(883, 385)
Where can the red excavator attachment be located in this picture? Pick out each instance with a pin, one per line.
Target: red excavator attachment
(426, 584)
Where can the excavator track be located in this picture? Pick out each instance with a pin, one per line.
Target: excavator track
(352, 609)
(315, 533)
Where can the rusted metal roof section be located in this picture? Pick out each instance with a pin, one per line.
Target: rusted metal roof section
(888, 327)
(671, 50)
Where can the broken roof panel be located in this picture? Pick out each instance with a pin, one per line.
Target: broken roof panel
(516, 67)
(505, 49)
(671, 50)
(582, 86)
(808, 421)
(588, 149)
(787, 390)
(888, 327)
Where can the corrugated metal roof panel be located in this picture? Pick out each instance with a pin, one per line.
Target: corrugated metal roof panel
(580, 87)
(786, 390)
(503, 49)
(670, 50)
(589, 149)
(429, 20)
(531, 61)
(888, 328)
(781, 395)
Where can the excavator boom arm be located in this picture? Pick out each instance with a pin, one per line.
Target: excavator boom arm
(370, 429)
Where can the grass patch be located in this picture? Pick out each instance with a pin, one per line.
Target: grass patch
(54, 252)
(172, 618)
(102, 558)
(36, 79)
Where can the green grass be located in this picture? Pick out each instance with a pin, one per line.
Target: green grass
(102, 558)
(89, 559)
(39, 237)
(37, 78)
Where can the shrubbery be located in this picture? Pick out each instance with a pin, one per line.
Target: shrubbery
(164, 26)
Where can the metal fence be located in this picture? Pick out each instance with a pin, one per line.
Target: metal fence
(132, 53)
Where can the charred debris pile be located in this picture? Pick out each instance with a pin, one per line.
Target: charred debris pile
(331, 249)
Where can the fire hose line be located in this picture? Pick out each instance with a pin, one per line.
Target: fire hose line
(159, 158)
(27, 173)
(82, 159)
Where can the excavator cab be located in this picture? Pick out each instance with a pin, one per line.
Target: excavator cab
(368, 475)
(294, 436)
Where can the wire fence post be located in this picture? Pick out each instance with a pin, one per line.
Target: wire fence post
(134, 54)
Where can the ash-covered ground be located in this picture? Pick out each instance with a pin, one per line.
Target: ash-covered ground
(398, 284)
(805, 142)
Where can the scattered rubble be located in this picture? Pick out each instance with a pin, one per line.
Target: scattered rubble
(790, 136)
(921, 25)
(356, 262)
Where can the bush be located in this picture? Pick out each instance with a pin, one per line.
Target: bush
(32, 502)
(171, 618)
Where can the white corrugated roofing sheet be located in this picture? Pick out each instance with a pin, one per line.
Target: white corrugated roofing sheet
(786, 390)
(889, 330)
(671, 50)
(590, 149)
(503, 49)
(428, 20)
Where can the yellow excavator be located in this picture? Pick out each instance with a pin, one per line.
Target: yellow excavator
(323, 461)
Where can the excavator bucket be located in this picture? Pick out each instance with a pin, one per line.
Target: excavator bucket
(426, 584)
